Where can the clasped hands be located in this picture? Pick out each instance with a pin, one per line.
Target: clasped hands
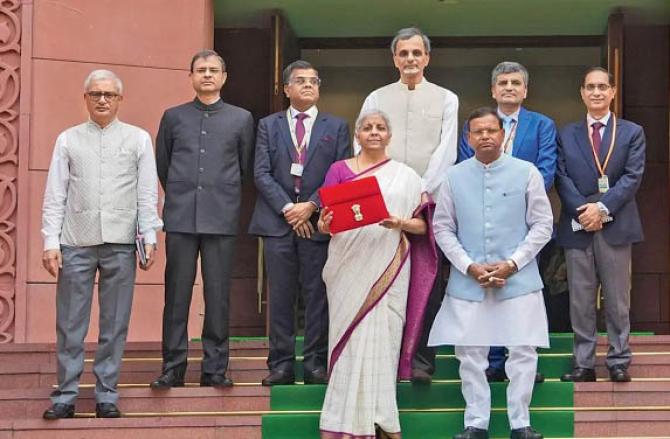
(491, 275)
(591, 217)
(298, 217)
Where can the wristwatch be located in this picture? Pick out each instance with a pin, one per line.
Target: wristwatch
(511, 264)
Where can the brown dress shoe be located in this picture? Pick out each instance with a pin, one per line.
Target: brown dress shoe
(580, 375)
(278, 377)
(59, 411)
(619, 374)
(421, 377)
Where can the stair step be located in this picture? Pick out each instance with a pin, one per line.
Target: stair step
(200, 427)
(629, 423)
(609, 394)
(31, 403)
(422, 425)
(437, 395)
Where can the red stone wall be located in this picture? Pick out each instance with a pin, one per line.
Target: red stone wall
(149, 44)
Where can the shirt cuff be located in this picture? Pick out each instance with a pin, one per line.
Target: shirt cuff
(603, 208)
(286, 207)
(150, 237)
(52, 243)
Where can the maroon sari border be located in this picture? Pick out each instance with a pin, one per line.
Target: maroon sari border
(365, 171)
(327, 434)
(339, 346)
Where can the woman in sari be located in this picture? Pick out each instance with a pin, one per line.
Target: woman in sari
(367, 278)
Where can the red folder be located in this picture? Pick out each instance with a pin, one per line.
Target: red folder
(354, 204)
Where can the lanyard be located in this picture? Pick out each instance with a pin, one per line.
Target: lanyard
(298, 148)
(510, 138)
(603, 167)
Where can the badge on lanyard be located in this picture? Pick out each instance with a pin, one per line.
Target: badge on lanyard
(603, 180)
(296, 169)
(603, 184)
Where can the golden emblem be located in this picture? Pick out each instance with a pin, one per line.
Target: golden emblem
(356, 208)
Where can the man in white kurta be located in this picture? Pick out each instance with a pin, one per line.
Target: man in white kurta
(492, 218)
(424, 117)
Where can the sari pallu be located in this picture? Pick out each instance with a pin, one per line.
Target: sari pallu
(367, 277)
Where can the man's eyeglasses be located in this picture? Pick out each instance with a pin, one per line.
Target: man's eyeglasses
(600, 87)
(96, 95)
(301, 80)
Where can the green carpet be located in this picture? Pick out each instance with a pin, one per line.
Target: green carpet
(422, 425)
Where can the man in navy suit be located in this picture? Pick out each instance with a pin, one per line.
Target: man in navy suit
(529, 136)
(600, 167)
(294, 150)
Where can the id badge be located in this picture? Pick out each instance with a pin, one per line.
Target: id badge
(296, 169)
(603, 184)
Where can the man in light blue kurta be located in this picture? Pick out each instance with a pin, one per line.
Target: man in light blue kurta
(492, 218)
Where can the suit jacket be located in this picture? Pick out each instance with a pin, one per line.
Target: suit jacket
(329, 142)
(534, 141)
(577, 181)
(202, 153)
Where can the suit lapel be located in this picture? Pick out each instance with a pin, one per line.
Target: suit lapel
(285, 132)
(607, 139)
(317, 132)
(584, 146)
(521, 130)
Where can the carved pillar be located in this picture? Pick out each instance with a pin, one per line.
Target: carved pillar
(10, 59)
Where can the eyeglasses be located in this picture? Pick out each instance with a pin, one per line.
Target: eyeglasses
(95, 96)
(593, 87)
(485, 131)
(301, 80)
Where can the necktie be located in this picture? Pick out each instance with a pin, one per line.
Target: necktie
(300, 134)
(595, 136)
(508, 124)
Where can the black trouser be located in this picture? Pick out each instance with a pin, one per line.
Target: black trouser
(424, 358)
(295, 264)
(216, 259)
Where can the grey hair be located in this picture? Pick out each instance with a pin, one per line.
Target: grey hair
(509, 67)
(370, 113)
(101, 75)
(296, 65)
(406, 34)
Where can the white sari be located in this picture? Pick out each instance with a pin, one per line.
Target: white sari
(367, 278)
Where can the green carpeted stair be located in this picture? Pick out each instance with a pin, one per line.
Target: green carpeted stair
(436, 411)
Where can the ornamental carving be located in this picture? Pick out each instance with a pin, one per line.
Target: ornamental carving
(10, 60)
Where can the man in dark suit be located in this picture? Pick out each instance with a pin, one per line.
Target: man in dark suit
(294, 149)
(529, 136)
(600, 167)
(203, 149)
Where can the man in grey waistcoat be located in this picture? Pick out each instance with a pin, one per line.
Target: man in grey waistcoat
(203, 149)
(101, 188)
(424, 117)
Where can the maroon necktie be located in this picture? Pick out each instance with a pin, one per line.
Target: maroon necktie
(595, 136)
(300, 137)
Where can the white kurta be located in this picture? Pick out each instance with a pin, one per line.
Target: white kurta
(519, 321)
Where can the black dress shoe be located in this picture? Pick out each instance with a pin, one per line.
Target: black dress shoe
(473, 433)
(421, 377)
(525, 433)
(539, 378)
(619, 374)
(278, 377)
(168, 379)
(107, 410)
(59, 411)
(580, 375)
(494, 375)
(317, 376)
(215, 380)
